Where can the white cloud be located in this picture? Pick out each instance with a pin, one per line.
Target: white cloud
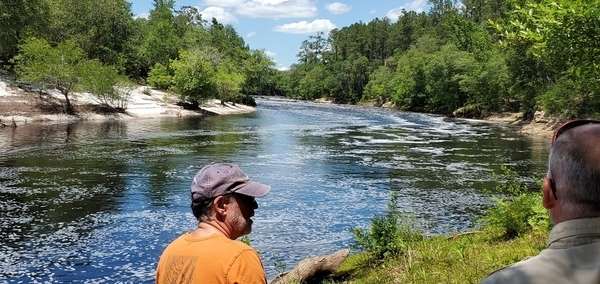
(222, 15)
(373, 12)
(270, 2)
(337, 8)
(224, 3)
(304, 27)
(270, 53)
(274, 9)
(416, 5)
(283, 68)
(250, 34)
(142, 15)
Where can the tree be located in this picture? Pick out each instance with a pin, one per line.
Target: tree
(58, 67)
(228, 83)
(442, 73)
(195, 75)
(563, 35)
(162, 43)
(311, 50)
(260, 74)
(160, 76)
(191, 28)
(101, 28)
(20, 19)
(105, 82)
(381, 85)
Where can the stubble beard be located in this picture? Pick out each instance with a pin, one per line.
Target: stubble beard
(240, 224)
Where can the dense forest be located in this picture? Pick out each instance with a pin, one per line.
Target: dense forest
(467, 58)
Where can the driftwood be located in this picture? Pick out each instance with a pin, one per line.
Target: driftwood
(314, 269)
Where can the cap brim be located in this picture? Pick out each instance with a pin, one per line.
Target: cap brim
(254, 189)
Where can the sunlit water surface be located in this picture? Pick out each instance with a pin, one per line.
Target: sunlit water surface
(97, 202)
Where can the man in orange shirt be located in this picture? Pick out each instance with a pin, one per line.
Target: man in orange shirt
(223, 201)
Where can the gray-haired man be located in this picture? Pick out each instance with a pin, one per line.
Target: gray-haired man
(223, 201)
(571, 193)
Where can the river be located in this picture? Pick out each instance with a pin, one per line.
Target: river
(97, 202)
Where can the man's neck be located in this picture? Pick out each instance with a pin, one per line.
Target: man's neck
(208, 228)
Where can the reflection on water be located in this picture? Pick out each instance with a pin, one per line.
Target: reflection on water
(98, 201)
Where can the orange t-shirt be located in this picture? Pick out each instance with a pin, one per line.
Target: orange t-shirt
(213, 259)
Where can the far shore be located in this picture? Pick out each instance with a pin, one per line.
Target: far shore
(18, 106)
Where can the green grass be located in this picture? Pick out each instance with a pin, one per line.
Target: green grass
(464, 258)
(392, 250)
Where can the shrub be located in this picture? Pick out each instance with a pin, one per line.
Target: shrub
(389, 235)
(517, 214)
(160, 77)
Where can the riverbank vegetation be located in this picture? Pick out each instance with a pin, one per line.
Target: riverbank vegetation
(97, 47)
(464, 58)
(393, 249)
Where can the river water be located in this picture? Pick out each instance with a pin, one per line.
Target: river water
(97, 202)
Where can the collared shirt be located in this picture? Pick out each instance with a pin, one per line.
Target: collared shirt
(572, 256)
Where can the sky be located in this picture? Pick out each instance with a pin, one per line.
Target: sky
(279, 26)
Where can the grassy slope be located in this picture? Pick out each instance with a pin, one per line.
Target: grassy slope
(466, 258)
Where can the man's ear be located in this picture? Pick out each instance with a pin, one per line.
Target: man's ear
(549, 198)
(220, 204)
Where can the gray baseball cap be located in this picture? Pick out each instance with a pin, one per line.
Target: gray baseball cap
(218, 179)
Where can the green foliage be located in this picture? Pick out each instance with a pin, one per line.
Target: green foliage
(278, 263)
(161, 43)
(65, 68)
(260, 74)
(20, 19)
(380, 86)
(312, 85)
(409, 92)
(58, 67)
(442, 74)
(467, 257)
(101, 29)
(485, 81)
(194, 76)
(105, 82)
(245, 239)
(228, 82)
(569, 98)
(521, 212)
(389, 235)
(561, 35)
(160, 77)
(548, 62)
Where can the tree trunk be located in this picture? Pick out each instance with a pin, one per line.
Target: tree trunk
(68, 107)
(314, 269)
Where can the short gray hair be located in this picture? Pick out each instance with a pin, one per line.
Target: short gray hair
(575, 176)
(201, 208)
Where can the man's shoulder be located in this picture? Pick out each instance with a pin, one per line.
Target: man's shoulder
(513, 272)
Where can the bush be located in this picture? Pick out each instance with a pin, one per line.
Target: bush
(389, 235)
(160, 77)
(517, 214)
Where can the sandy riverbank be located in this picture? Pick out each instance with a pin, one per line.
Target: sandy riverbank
(21, 106)
(539, 126)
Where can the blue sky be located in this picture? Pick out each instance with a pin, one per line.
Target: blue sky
(279, 26)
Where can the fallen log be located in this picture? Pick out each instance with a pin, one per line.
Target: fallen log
(314, 269)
